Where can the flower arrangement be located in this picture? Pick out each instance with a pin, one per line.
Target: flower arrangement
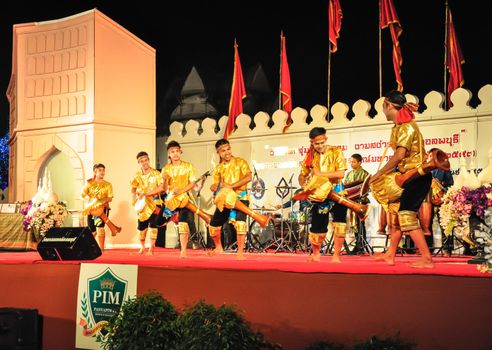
(41, 217)
(25, 208)
(484, 236)
(459, 204)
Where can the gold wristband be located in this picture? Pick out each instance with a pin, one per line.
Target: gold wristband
(421, 171)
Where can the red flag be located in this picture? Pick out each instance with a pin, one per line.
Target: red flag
(238, 93)
(454, 59)
(389, 18)
(285, 89)
(334, 23)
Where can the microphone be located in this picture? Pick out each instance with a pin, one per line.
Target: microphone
(202, 178)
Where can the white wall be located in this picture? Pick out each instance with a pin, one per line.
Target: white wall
(461, 131)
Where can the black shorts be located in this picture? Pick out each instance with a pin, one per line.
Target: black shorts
(221, 217)
(319, 221)
(414, 193)
(92, 225)
(152, 222)
(186, 215)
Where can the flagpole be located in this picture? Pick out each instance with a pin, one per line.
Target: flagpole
(329, 79)
(380, 55)
(446, 21)
(280, 73)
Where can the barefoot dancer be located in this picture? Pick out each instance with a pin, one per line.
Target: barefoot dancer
(146, 181)
(325, 161)
(232, 173)
(409, 153)
(98, 192)
(178, 180)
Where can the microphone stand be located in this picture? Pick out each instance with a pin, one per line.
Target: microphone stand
(291, 193)
(198, 233)
(284, 241)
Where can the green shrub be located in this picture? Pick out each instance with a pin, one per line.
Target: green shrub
(384, 344)
(205, 327)
(145, 322)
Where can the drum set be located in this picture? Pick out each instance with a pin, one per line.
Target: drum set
(287, 231)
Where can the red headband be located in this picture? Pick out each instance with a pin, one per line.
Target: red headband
(405, 114)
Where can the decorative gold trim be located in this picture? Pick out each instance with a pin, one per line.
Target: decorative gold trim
(183, 228)
(101, 232)
(316, 239)
(339, 229)
(214, 231)
(142, 234)
(241, 227)
(408, 220)
(153, 233)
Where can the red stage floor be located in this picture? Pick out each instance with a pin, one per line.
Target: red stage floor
(289, 262)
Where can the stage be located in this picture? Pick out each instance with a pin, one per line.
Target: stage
(292, 302)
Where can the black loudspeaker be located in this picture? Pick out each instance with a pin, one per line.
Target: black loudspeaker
(69, 243)
(20, 329)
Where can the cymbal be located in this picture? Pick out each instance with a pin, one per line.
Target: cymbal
(264, 209)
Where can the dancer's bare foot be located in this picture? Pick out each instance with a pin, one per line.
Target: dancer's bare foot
(215, 252)
(379, 256)
(183, 255)
(240, 256)
(150, 252)
(387, 258)
(335, 259)
(422, 264)
(313, 258)
(141, 251)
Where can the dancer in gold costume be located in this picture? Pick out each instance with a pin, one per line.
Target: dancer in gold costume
(98, 193)
(143, 184)
(408, 154)
(179, 178)
(230, 178)
(327, 164)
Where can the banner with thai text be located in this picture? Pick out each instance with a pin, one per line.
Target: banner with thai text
(276, 162)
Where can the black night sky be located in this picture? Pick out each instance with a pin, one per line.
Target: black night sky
(201, 34)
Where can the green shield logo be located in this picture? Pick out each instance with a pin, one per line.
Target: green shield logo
(106, 293)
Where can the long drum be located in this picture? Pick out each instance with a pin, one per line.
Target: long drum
(354, 190)
(99, 211)
(385, 189)
(320, 188)
(227, 198)
(389, 187)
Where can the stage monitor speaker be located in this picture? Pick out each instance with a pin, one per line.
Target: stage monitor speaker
(69, 243)
(20, 329)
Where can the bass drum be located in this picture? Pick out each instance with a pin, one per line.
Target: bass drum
(264, 238)
(260, 238)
